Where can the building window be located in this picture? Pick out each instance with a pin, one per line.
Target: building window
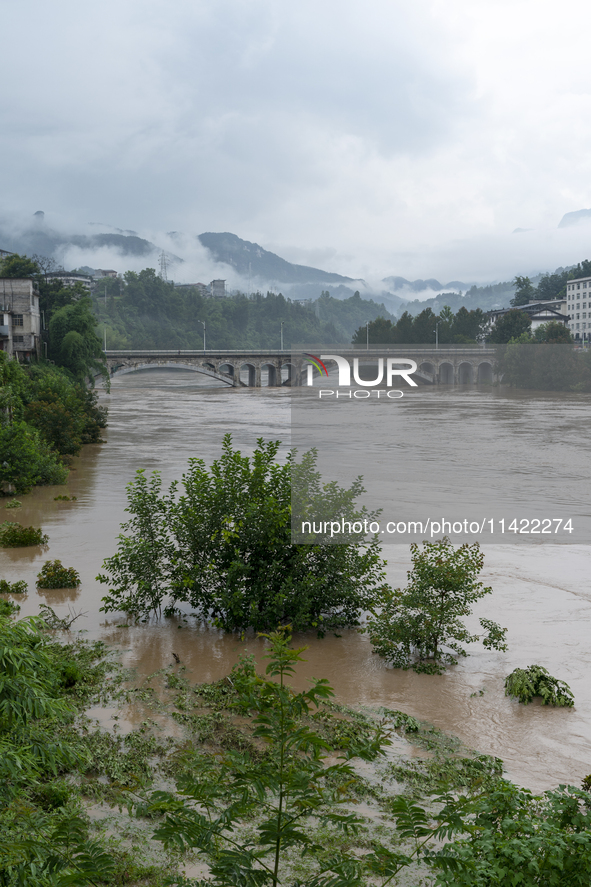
(577, 326)
(17, 319)
(18, 340)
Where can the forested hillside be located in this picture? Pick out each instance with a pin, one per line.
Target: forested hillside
(144, 311)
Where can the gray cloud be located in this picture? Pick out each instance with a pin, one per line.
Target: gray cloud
(392, 138)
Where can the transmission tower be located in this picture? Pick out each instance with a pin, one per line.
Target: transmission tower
(163, 265)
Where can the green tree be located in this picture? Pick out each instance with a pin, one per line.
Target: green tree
(419, 626)
(73, 340)
(468, 326)
(380, 332)
(225, 547)
(282, 789)
(552, 286)
(553, 333)
(543, 366)
(512, 838)
(19, 266)
(423, 331)
(446, 322)
(509, 326)
(37, 849)
(524, 291)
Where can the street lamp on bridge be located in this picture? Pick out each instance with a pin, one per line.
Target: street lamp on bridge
(203, 322)
(282, 322)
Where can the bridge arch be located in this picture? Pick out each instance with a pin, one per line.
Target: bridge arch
(248, 375)
(485, 373)
(271, 374)
(227, 369)
(427, 367)
(465, 373)
(288, 373)
(207, 370)
(446, 373)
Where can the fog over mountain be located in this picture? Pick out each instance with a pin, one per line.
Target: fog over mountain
(247, 266)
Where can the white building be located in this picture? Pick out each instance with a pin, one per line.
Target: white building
(69, 278)
(539, 312)
(578, 300)
(20, 320)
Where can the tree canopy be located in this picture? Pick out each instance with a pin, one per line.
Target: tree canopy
(464, 327)
(44, 416)
(509, 326)
(420, 626)
(223, 546)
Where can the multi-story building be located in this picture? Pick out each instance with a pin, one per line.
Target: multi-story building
(578, 300)
(216, 289)
(69, 278)
(20, 320)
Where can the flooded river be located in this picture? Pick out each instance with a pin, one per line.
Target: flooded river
(157, 421)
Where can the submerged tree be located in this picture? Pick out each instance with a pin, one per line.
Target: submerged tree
(421, 626)
(526, 683)
(224, 546)
(282, 789)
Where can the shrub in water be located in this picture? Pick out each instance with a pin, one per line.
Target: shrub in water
(8, 608)
(19, 587)
(54, 575)
(525, 683)
(14, 535)
(14, 503)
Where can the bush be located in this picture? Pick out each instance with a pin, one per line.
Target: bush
(54, 575)
(14, 535)
(27, 459)
(19, 587)
(8, 608)
(421, 627)
(224, 547)
(14, 503)
(525, 683)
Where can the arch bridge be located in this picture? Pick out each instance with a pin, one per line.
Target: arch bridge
(447, 365)
(239, 369)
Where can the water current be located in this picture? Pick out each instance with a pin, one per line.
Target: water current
(542, 593)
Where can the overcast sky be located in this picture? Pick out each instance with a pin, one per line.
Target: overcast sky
(369, 138)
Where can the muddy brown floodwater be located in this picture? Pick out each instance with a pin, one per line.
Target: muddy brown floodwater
(160, 419)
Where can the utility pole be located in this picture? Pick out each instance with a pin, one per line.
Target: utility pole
(282, 322)
(203, 322)
(437, 322)
(105, 327)
(163, 265)
(367, 335)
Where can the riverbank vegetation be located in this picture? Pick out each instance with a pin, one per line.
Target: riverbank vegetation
(46, 417)
(248, 781)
